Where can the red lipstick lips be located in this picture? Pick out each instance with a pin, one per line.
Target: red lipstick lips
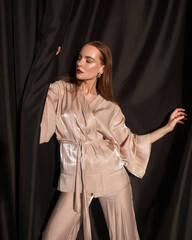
(78, 71)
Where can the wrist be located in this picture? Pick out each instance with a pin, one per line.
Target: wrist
(167, 128)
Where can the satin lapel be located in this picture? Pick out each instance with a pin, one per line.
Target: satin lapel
(91, 106)
(88, 109)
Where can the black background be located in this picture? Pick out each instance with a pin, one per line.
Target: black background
(151, 45)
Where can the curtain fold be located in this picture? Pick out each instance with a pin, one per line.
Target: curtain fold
(42, 72)
(151, 45)
(8, 128)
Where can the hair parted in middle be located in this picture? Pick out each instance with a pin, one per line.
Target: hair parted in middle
(104, 82)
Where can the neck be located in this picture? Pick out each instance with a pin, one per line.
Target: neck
(89, 87)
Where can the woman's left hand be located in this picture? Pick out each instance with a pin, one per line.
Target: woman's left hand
(177, 116)
(58, 50)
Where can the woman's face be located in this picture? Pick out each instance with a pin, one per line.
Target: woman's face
(88, 64)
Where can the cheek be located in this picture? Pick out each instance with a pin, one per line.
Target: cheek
(91, 69)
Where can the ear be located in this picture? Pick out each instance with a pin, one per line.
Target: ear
(102, 69)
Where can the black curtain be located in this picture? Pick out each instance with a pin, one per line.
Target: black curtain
(151, 45)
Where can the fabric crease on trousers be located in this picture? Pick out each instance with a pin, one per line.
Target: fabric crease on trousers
(118, 210)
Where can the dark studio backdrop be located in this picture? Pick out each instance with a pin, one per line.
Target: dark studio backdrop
(151, 45)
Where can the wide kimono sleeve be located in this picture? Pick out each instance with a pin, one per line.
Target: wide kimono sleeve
(48, 122)
(134, 149)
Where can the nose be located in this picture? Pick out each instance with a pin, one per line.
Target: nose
(79, 62)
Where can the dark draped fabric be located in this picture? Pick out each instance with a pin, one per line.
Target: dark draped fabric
(151, 45)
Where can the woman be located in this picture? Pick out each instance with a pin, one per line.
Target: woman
(95, 148)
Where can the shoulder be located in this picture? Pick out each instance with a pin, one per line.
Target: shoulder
(107, 103)
(112, 110)
(112, 106)
(116, 114)
(61, 85)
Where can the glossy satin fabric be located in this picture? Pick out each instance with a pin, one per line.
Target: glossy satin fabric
(95, 145)
(117, 208)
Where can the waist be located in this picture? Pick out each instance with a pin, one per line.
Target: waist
(97, 184)
(84, 142)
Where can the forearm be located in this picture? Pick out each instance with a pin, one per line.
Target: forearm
(159, 133)
(176, 117)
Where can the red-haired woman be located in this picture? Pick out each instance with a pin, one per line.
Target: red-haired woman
(95, 148)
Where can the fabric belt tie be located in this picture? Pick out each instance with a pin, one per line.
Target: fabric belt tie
(80, 184)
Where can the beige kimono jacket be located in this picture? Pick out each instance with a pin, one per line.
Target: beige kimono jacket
(95, 143)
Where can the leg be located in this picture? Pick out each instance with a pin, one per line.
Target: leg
(119, 214)
(64, 222)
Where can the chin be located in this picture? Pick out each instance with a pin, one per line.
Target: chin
(79, 77)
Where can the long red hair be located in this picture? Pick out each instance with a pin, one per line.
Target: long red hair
(104, 83)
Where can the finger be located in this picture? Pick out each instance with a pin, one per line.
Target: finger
(184, 117)
(181, 114)
(58, 50)
(177, 118)
(180, 119)
(181, 122)
(174, 115)
(177, 112)
(180, 109)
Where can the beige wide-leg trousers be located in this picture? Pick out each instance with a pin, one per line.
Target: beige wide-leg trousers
(64, 222)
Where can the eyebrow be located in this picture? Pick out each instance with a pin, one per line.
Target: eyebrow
(87, 57)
